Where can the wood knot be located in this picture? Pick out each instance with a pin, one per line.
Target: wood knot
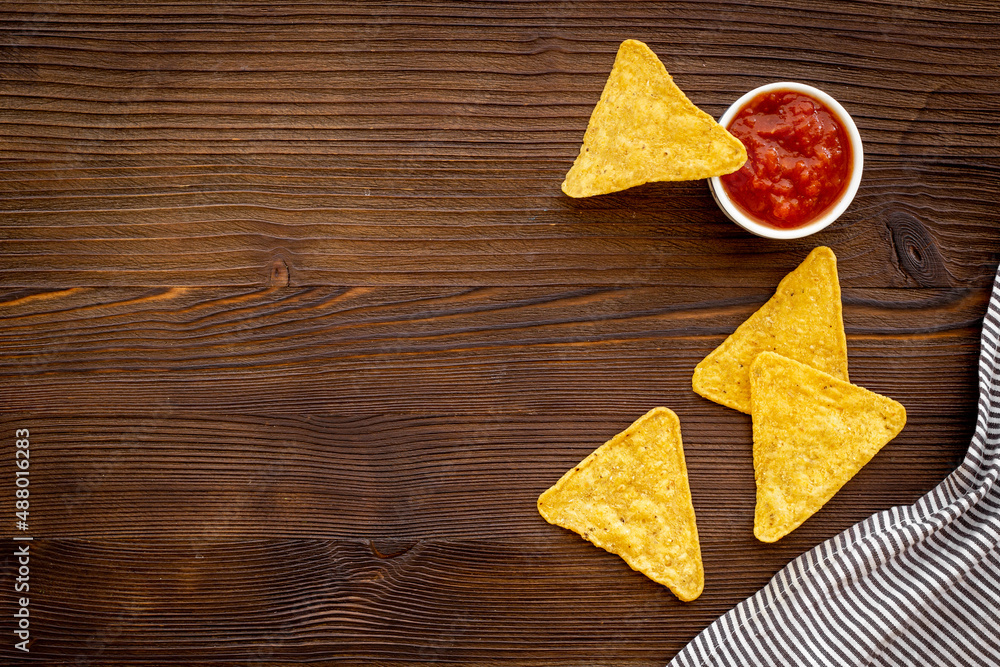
(916, 252)
(390, 548)
(277, 273)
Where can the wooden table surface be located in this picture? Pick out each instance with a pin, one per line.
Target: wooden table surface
(301, 324)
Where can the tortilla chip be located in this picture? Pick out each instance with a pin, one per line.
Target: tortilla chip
(802, 321)
(811, 433)
(631, 497)
(645, 129)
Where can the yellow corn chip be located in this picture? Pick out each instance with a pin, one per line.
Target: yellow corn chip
(645, 129)
(811, 433)
(802, 321)
(631, 497)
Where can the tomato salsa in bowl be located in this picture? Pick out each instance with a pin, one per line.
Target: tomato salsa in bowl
(804, 161)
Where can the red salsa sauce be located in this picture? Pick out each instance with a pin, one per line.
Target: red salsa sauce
(798, 159)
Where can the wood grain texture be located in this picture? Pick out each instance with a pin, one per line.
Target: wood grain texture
(302, 325)
(365, 602)
(453, 350)
(395, 476)
(425, 144)
(393, 537)
(369, 492)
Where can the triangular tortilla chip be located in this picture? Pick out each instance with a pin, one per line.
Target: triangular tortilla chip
(811, 433)
(645, 129)
(803, 321)
(631, 497)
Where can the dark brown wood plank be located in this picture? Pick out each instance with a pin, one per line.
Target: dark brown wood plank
(401, 476)
(197, 601)
(134, 474)
(291, 600)
(165, 485)
(422, 538)
(425, 144)
(440, 350)
(349, 230)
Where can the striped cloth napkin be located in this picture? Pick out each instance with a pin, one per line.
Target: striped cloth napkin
(914, 585)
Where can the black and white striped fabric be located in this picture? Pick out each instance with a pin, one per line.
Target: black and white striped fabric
(915, 585)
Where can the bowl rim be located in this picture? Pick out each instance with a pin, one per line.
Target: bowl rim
(857, 150)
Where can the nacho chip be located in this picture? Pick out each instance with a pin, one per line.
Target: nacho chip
(631, 497)
(645, 129)
(811, 433)
(802, 321)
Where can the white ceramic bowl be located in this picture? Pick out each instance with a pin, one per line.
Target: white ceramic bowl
(734, 213)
